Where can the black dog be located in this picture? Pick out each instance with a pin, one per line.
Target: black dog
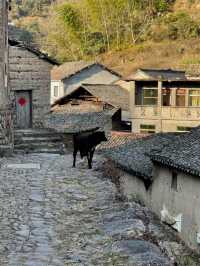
(86, 143)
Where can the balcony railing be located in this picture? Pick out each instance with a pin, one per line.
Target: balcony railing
(167, 112)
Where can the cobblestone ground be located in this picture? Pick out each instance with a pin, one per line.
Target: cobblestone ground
(58, 216)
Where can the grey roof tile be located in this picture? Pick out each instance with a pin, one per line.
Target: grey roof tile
(133, 157)
(77, 122)
(182, 154)
(158, 74)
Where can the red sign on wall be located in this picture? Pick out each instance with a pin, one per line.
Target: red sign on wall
(22, 101)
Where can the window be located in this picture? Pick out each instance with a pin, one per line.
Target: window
(174, 184)
(180, 97)
(55, 91)
(150, 96)
(183, 129)
(147, 128)
(194, 98)
(166, 97)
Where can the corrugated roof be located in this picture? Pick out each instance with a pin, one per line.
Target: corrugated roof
(69, 69)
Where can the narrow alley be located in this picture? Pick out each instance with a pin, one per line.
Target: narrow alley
(53, 214)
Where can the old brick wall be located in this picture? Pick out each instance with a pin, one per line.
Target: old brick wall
(29, 72)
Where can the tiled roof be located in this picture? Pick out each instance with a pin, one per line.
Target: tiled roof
(69, 69)
(120, 138)
(182, 154)
(133, 156)
(33, 50)
(158, 74)
(77, 122)
(111, 94)
(15, 33)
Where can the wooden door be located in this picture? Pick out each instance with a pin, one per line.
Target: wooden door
(24, 109)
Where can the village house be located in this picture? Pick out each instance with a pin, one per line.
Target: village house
(71, 75)
(85, 108)
(164, 101)
(98, 95)
(29, 84)
(161, 171)
(176, 173)
(6, 125)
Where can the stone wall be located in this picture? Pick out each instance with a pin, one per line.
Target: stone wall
(6, 128)
(29, 72)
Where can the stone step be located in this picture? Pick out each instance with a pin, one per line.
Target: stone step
(35, 145)
(37, 139)
(35, 135)
(49, 151)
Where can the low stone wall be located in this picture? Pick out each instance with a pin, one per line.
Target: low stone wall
(69, 123)
(6, 132)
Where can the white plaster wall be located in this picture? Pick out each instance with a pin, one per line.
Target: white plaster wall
(164, 125)
(60, 90)
(92, 75)
(185, 201)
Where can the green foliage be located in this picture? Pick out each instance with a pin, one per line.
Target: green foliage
(181, 26)
(75, 29)
(162, 5)
(70, 16)
(174, 26)
(22, 8)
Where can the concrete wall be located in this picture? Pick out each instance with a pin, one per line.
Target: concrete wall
(165, 118)
(183, 202)
(165, 125)
(29, 72)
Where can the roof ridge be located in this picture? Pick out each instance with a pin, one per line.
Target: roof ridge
(34, 50)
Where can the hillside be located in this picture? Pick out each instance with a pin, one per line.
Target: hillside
(163, 34)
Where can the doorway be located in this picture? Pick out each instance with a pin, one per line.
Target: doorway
(23, 109)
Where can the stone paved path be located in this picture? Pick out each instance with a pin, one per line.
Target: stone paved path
(61, 216)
